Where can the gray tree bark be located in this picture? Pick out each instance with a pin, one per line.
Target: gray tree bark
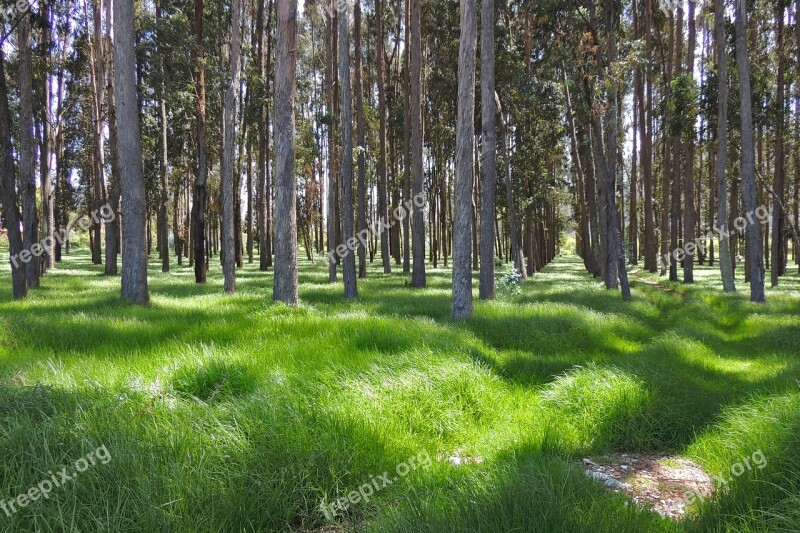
(199, 196)
(725, 264)
(361, 139)
(163, 217)
(465, 134)
(516, 239)
(8, 190)
(134, 242)
(27, 172)
(489, 153)
(112, 225)
(689, 140)
(383, 192)
(348, 234)
(285, 289)
(228, 151)
(48, 204)
(753, 231)
(418, 224)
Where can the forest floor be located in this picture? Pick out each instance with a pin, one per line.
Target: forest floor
(231, 413)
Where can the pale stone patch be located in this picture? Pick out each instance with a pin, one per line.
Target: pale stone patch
(665, 484)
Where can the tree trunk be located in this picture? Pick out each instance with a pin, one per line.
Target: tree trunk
(348, 235)
(113, 224)
(753, 231)
(383, 192)
(725, 263)
(361, 139)
(779, 188)
(516, 241)
(8, 191)
(418, 236)
(285, 289)
(134, 252)
(48, 210)
(489, 152)
(689, 142)
(27, 172)
(229, 247)
(199, 199)
(465, 134)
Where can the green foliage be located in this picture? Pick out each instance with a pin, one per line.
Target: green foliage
(508, 284)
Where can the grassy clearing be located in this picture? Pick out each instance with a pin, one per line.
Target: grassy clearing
(236, 414)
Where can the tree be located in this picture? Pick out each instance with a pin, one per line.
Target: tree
(753, 231)
(689, 141)
(779, 186)
(383, 192)
(361, 135)
(465, 134)
(163, 217)
(199, 195)
(285, 289)
(489, 152)
(27, 178)
(229, 151)
(348, 258)
(134, 242)
(112, 225)
(48, 208)
(8, 191)
(418, 223)
(725, 264)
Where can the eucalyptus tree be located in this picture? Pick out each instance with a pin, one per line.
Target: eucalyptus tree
(465, 133)
(134, 242)
(752, 231)
(286, 285)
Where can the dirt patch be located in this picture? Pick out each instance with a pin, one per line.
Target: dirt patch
(665, 484)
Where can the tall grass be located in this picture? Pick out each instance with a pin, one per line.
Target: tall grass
(231, 413)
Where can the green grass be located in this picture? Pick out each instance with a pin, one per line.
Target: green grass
(231, 413)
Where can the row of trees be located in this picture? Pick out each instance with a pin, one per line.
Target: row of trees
(271, 131)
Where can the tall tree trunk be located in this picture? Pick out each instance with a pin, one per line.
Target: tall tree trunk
(8, 191)
(516, 241)
(753, 231)
(725, 263)
(383, 192)
(689, 208)
(98, 83)
(407, 140)
(348, 235)
(332, 222)
(199, 197)
(418, 237)
(113, 224)
(229, 247)
(361, 139)
(163, 216)
(779, 188)
(646, 138)
(465, 134)
(27, 171)
(48, 210)
(285, 198)
(134, 252)
(489, 152)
